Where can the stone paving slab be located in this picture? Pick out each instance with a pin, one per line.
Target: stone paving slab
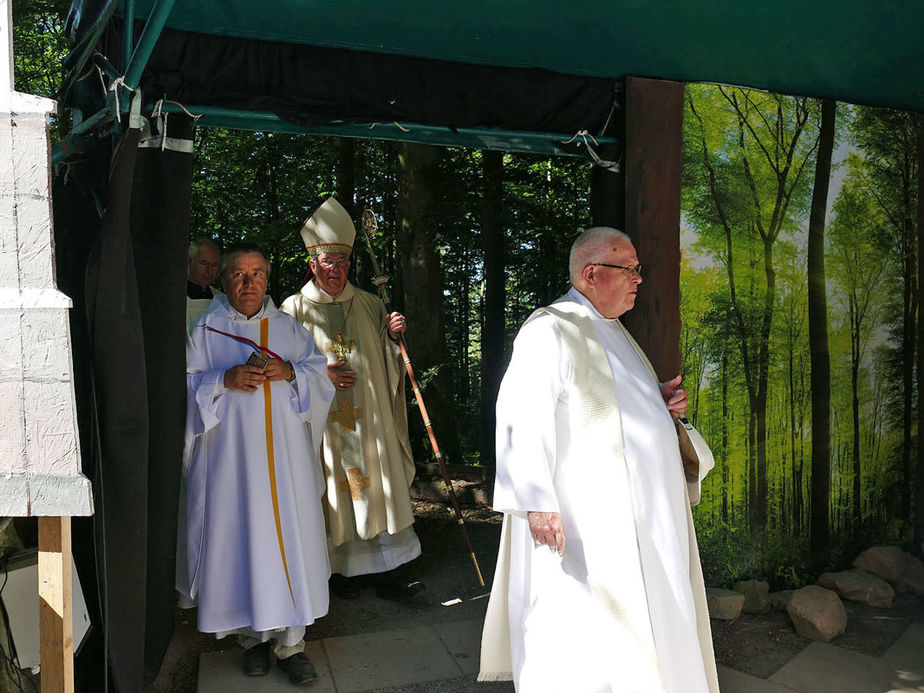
(220, 672)
(408, 658)
(824, 668)
(908, 651)
(391, 658)
(731, 681)
(463, 641)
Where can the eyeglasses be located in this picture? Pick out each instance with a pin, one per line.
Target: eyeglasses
(330, 264)
(631, 269)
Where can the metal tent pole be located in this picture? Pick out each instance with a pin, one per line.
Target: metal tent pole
(80, 136)
(128, 31)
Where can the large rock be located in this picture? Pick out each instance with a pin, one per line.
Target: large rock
(724, 605)
(859, 586)
(817, 613)
(780, 600)
(888, 562)
(902, 570)
(755, 593)
(912, 580)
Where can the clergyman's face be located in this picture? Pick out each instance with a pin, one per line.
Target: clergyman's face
(203, 267)
(331, 269)
(245, 282)
(615, 289)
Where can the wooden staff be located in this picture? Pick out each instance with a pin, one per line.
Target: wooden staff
(370, 226)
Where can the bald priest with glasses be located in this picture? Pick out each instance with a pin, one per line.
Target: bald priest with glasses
(598, 585)
(366, 451)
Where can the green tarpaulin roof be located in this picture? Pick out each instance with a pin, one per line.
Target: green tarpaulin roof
(858, 51)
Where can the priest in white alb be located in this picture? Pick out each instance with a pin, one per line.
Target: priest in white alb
(598, 586)
(201, 270)
(253, 548)
(366, 452)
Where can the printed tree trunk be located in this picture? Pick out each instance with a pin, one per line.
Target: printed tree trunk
(346, 176)
(419, 188)
(346, 196)
(782, 158)
(723, 457)
(919, 485)
(492, 335)
(889, 143)
(818, 341)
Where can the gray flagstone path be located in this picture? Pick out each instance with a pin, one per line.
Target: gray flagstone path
(444, 658)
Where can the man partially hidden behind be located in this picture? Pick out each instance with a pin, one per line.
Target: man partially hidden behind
(201, 270)
(367, 456)
(256, 555)
(598, 586)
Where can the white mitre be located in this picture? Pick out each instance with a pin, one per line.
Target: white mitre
(329, 230)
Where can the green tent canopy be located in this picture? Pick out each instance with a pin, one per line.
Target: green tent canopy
(490, 75)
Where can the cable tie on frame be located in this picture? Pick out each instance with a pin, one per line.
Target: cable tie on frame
(114, 88)
(612, 166)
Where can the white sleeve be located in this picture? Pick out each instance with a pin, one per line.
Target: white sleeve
(530, 394)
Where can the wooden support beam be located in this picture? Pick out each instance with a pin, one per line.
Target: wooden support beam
(56, 622)
(654, 145)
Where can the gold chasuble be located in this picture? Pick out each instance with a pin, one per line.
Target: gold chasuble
(366, 452)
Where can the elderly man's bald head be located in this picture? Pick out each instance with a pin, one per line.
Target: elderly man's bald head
(589, 246)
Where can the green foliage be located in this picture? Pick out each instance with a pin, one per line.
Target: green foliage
(260, 187)
(39, 46)
(545, 201)
(735, 269)
(731, 554)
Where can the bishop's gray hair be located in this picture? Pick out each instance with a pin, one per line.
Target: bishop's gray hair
(588, 246)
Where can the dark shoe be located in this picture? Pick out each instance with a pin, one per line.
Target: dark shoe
(345, 587)
(396, 586)
(298, 668)
(257, 659)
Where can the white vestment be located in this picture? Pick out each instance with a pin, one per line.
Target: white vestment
(253, 533)
(196, 307)
(366, 452)
(583, 431)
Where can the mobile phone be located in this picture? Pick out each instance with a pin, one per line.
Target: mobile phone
(257, 360)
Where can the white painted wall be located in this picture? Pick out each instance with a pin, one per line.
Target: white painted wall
(39, 452)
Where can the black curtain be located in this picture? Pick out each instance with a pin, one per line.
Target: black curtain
(313, 85)
(129, 359)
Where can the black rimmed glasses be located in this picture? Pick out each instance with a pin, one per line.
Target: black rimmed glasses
(631, 269)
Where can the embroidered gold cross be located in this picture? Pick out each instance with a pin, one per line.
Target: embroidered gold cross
(346, 415)
(340, 347)
(356, 484)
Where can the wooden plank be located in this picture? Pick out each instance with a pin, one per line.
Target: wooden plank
(55, 619)
(654, 146)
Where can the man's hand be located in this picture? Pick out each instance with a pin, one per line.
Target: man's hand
(396, 325)
(275, 369)
(675, 397)
(342, 380)
(244, 377)
(546, 528)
